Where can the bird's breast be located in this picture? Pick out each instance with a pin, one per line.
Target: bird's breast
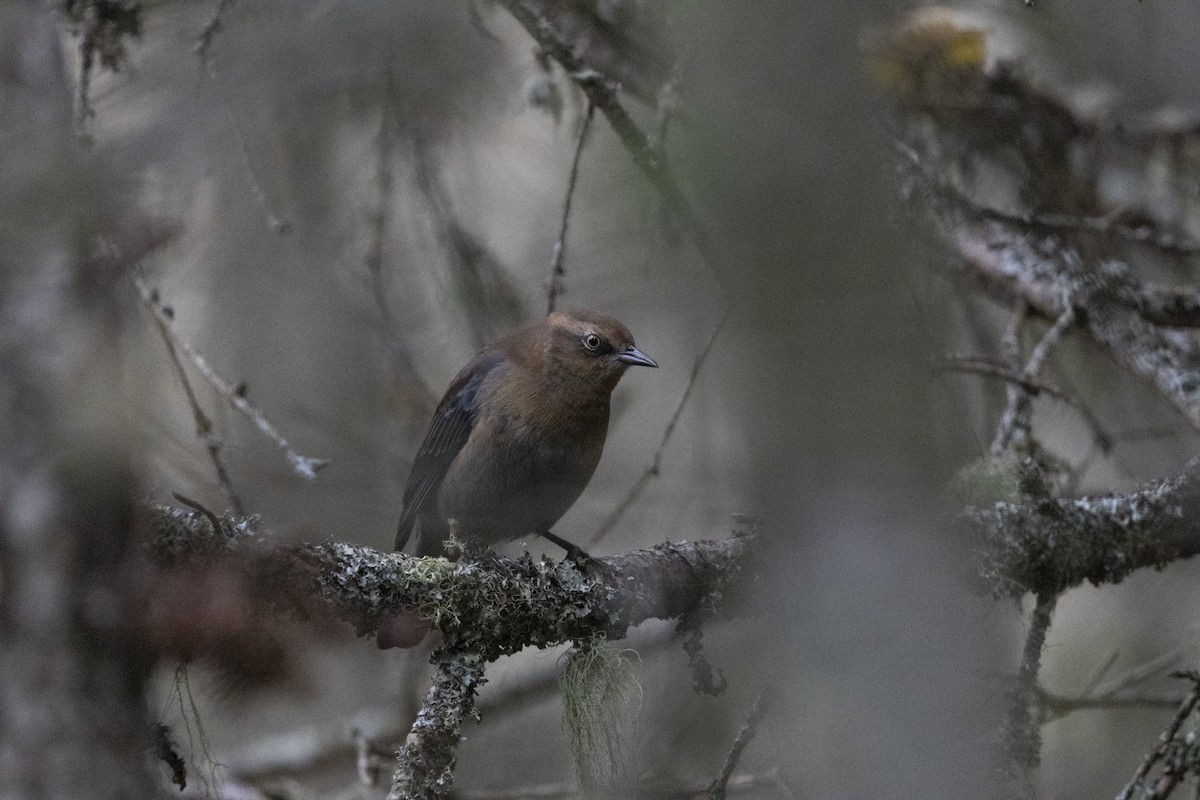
(523, 467)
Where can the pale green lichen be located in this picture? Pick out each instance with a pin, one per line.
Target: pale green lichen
(599, 691)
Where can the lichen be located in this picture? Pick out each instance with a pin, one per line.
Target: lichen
(599, 690)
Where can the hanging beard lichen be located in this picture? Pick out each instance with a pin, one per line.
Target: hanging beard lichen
(598, 686)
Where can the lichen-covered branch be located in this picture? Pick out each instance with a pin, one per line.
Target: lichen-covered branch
(493, 606)
(1044, 271)
(1048, 545)
(1177, 754)
(425, 764)
(484, 608)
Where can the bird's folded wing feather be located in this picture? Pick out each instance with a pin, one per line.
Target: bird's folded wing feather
(451, 427)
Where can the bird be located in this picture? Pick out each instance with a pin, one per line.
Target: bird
(515, 440)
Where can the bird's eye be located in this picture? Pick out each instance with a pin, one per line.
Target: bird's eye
(591, 341)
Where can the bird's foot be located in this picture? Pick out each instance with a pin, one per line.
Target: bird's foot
(575, 553)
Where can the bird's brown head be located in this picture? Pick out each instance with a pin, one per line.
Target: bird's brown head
(592, 346)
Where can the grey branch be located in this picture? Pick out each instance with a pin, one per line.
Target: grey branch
(602, 93)
(494, 606)
(1171, 773)
(305, 466)
(425, 764)
(484, 609)
(554, 286)
(652, 468)
(1043, 271)
(716, 790)
(1046, 545)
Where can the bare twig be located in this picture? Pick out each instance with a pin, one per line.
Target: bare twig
(204, 426)
(1015, 420)
(1109, 694)
(984, 366)
(305, 466)
(602, 93)
(475, 15)
(277, 224)
(204, 41)
(668, 102)
(1165, 740)
(1058, 706)
(651, 471)
(1045, 272)
(554, 286)
(716, 790)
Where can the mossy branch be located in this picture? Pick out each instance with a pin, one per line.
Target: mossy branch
(1046, 546)
(493, 606)
(484, 608)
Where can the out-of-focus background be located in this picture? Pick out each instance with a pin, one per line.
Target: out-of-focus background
(367, 192)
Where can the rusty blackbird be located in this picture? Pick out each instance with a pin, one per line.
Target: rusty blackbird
(515, 439)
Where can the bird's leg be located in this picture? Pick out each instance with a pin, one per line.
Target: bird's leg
(574, 551)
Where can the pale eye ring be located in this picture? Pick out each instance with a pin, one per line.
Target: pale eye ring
(591, 341)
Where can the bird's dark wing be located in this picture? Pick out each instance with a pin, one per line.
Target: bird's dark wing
(448, 432)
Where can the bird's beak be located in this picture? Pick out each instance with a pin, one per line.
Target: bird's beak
(636, 358)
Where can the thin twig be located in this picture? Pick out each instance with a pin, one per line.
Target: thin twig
(480, 278)
(208, 33)
(305, 466)
(1185, 710)
(1015, 420)
(204, 426)
(555, 287)
(1010, 348)
(668, 102)
(276, 223)
(983, 366)
(1109, 694)
(716, 790)
(1058, 706)
(602, 93)
(1042, 350)
(475, 15)
(651, 471)
(218, 529)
